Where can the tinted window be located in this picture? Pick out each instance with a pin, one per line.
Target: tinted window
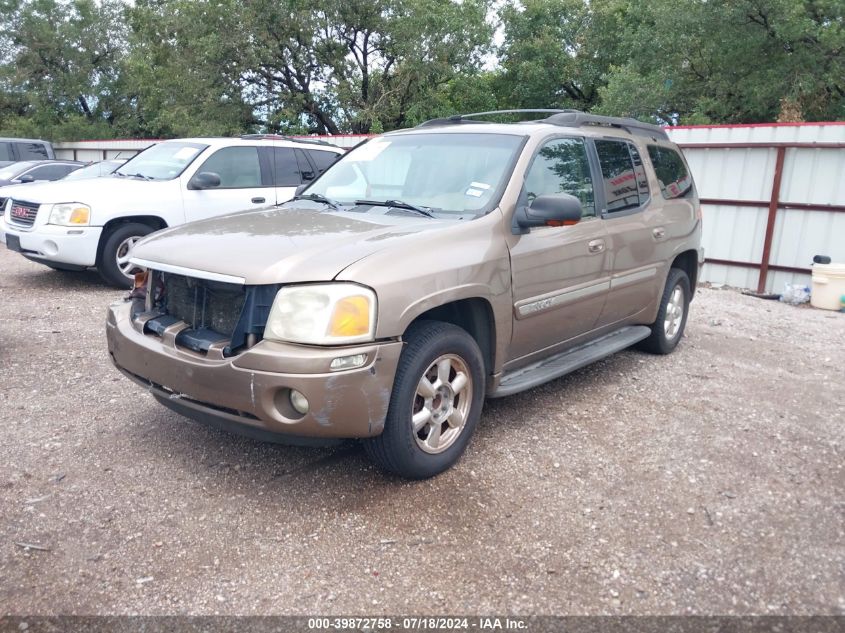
(639, 172)
(561, 166)
(620, 181)
(50, 172)
(6, 151)
(323, 160)
(238, 167)
(31, 151)
(671, 171)
(286, 167)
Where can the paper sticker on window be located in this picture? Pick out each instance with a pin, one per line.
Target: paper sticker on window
(479, 185)
(475, 193)
(186, 153)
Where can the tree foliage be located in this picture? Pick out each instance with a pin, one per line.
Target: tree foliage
(88, 68)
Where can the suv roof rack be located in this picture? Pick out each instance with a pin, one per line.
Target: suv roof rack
(281, 137)
(563, 118)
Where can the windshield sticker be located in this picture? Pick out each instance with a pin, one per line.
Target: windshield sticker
(479, 185)
(475, 193)
(186, 153)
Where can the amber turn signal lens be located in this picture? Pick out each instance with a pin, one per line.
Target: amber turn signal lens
(80, 215)
(351, 317)
(141, 279)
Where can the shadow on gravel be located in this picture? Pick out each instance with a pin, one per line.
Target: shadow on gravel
(48, 279)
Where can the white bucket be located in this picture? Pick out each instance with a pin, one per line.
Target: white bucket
(828, 286)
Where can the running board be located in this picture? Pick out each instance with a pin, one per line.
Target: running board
(570, 360)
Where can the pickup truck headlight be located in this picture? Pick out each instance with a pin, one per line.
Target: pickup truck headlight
(70, 214)
(323, 314)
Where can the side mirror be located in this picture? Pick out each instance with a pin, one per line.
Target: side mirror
(307, 175)
(556, 209)
(204, 180)
(26, 178)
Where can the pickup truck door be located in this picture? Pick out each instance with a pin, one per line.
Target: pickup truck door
(635, 227)
(243, 184)
(560, 275)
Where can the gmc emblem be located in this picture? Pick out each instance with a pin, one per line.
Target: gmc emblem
(20, 212)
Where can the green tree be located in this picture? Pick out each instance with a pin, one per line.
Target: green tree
(61, 64)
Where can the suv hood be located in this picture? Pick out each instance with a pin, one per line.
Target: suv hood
(278, 245)
(91, 191)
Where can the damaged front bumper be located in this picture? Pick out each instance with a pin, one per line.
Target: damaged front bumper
(251, 393)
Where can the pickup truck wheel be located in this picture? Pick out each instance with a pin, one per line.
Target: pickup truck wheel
(112, 263)
(668, 328)
(438, 393)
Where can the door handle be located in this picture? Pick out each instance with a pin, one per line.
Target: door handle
(596, 246)
(659, 233)
(258, 200)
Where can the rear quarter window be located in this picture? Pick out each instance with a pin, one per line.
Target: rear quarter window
(672, 174)
(32, 151)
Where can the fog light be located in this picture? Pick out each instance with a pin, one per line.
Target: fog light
(349, 362)
(298, 402)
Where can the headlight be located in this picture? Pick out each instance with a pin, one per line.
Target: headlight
(323, 314)
(70, 214)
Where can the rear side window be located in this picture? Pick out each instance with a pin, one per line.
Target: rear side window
(323, 160)
(675, 181)
(625, 182)
(6, 151)
(561, 166)
(238, 167)
(31, 151)
(285, 167)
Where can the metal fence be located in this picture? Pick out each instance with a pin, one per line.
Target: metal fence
(773, 195)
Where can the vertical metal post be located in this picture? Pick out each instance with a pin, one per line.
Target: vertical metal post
(770, 222)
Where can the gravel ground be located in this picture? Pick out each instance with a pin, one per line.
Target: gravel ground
(710, 481)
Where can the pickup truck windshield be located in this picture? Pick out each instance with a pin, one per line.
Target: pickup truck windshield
(443, 173)
(163, 161)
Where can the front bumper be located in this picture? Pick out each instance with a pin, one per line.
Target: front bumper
(75, 246)
(249, 393)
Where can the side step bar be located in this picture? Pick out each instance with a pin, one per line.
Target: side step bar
(570, 360)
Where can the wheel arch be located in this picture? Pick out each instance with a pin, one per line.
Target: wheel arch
(472, 314)
(154, 221)
(688, 262)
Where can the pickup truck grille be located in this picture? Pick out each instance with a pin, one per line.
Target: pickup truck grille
(22, 213)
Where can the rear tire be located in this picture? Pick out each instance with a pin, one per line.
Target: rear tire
(668, 328)
(438, 393)
(115, 247)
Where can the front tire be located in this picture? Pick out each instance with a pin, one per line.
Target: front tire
(668, 328)
(438, 393)
(112, 263)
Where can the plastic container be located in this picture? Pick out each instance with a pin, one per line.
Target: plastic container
(828, 286)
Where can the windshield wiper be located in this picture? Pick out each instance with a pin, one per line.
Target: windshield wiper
(399, 204)
(318, 197)
(138, 175)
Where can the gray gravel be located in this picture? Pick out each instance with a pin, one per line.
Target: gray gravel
(710, 481)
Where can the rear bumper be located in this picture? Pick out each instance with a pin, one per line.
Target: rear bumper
(250, 393)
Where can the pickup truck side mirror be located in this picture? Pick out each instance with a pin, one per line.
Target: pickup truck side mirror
(26, 178)
(556, 209)
(204, 180)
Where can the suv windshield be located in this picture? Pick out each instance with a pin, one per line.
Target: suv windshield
(445, 173)
(163, 161)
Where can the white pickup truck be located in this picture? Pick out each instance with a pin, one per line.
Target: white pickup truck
(74, 225)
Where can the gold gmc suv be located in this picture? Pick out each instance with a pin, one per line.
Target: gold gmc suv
(426, 270)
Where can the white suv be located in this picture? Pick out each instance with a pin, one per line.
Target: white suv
(73, 225)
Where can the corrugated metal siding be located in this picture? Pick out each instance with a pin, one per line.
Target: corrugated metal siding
(810, 175)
